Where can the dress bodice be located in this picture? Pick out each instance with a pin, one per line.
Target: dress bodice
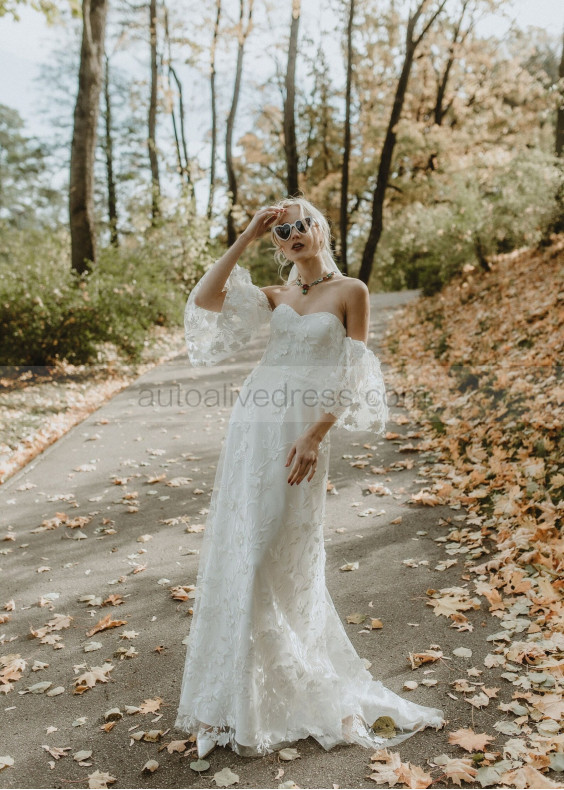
(310, 339)
(313, 347)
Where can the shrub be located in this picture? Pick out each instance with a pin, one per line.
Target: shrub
(476, 215)
(50, 313)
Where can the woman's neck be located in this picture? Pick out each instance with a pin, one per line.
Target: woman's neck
(311, 269)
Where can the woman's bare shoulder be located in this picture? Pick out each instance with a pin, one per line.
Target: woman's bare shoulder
(274, 292)
(352, 287)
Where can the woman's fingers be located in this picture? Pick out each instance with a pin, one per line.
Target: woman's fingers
(270, 210)
(305, 461)
(300, 470)
(266, 216)
(294, 472)
(302, 474)
(273, 214)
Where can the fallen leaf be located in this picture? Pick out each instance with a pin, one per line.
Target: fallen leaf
(469, 740)
(99, 780)
(6, 761)
(288, 754)
(199, 765)
(225, 778)
(105, 623)
(349, 566)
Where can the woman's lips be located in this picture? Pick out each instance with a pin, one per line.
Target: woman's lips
(297, 246)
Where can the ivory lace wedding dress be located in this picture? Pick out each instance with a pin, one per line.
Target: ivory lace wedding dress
(268, 660)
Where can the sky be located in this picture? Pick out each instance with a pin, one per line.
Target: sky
(25, 45)
(25, 48)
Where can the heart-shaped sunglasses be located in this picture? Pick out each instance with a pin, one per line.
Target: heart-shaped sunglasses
(301, 225)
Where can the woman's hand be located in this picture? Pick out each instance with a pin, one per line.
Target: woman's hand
(262, 221)
(304, 451)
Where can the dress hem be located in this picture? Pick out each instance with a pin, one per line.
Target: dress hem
(358, 734)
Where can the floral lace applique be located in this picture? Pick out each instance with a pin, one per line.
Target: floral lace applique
(210, 336)
(269, 661)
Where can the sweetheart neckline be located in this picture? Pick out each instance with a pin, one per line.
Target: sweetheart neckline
(305, 315)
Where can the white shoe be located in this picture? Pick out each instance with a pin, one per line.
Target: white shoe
(205, 743)
(347, 725)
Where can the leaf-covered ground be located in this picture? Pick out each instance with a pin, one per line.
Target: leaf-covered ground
(39, 405)
(97, 601)
(480, 367)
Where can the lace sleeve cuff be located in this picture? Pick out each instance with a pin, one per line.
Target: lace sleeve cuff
(359, 390)
(213, 336)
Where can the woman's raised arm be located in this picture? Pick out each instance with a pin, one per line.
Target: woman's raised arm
(210, 293)
(225, 308)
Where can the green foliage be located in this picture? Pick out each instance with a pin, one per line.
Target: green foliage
(460, 191)
(44, 311)
(474, 216)
(554, 222)
(259, 259)
(52, 10)
(26, 195)
(48, 313)
(12, 7)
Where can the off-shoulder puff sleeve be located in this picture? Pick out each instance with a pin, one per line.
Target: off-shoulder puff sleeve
(213, 336)
(359, 389)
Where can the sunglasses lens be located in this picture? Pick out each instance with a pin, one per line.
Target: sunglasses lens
(283, 231)
(303, 225)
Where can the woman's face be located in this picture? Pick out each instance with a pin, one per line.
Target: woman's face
(299, 246)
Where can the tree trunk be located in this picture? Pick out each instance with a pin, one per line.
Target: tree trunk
(179, 160)
(231, 177)
(179, 140)
(388, 147)
(325, 123)
(439, 109)
(344, 213)
(83, 147)
(289, 103)
(109, 151)
(213, 109)
(155, 182)
(560, 116)
(181, 153)
(186, 164)
(311, 137)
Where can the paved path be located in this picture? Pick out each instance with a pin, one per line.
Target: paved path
(100, 472)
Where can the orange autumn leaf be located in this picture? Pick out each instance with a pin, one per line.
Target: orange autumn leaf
(105, 623)
(92, 676)
(151, 705)
(470, 740)
(458, 769)
(414, 776)
(113, 600)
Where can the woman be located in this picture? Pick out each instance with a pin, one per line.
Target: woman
(268, 660)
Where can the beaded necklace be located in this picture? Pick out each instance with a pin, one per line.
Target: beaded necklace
(305, 286)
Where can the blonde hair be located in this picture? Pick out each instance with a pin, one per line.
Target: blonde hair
(307, 209)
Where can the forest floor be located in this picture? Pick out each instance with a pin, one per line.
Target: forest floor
(434, 567)
(40, 404)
